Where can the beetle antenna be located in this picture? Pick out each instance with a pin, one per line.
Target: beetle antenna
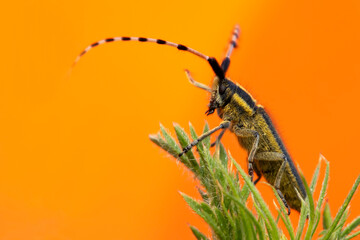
(212, 61)
(233, 44)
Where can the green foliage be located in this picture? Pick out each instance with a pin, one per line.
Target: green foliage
(225, 197)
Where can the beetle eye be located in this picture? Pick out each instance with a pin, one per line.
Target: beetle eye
(222, 89)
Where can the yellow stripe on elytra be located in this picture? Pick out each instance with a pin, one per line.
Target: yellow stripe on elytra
(241, 102)
(269, 135)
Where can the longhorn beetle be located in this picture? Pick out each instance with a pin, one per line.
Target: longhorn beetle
(241, 115)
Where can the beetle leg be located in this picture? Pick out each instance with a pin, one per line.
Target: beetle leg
(249, 133)
(270, 156)
(277, 185)
(223, 125)
(275, 156)
(258, 173)
(258, 179)
(218, 138)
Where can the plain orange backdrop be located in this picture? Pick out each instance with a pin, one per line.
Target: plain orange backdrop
(75, 158)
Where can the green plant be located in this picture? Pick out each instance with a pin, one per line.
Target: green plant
(225, 200)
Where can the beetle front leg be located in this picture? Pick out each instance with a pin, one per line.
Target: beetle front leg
(218, 137)
(223, 125)
(249, 133)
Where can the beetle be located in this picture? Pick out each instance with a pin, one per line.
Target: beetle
(267, 155)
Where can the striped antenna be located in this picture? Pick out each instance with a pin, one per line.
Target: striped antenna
(233, 44)
(212, 61)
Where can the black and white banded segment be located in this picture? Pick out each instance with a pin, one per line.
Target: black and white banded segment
(141, 39)
(219, 71)
(233, 44)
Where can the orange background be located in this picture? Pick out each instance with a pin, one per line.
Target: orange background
(75, 158)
